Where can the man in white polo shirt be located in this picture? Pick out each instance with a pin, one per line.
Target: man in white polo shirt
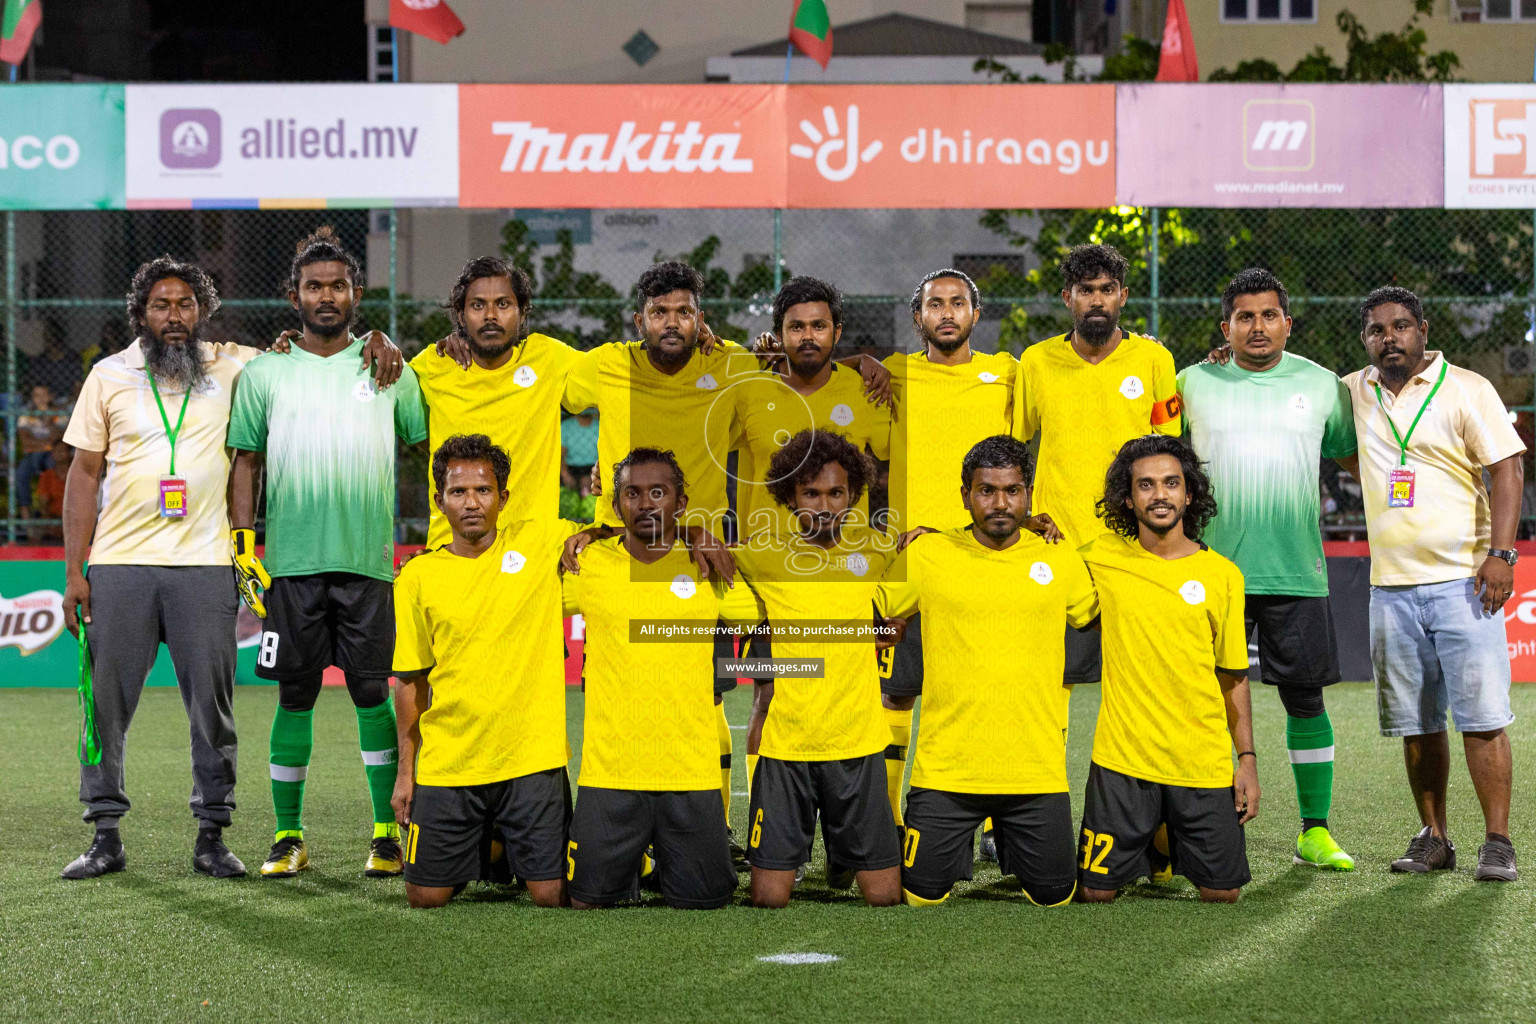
(1442, 558)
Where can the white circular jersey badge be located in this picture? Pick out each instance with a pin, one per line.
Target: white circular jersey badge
(706, 382)
(841, 415)
(513, 561)
(364, 391)
(1041, 573)
(684, 587)
(525, 377)
(1193, 592)
(1300, 403)
(1132, 387)
(858, 564)
(987, 378)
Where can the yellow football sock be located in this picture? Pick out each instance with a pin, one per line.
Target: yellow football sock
(918, 901)
(900, 723)
(1061, 904)
(986, 826)
(751, 768)
(723, 727)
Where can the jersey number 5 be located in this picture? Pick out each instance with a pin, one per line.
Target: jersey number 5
(570, 861)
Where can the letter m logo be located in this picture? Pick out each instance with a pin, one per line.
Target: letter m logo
(1279, 135)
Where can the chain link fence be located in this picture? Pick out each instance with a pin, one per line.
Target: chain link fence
(65, 275)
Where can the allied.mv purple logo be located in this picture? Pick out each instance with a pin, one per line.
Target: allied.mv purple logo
(190, 139)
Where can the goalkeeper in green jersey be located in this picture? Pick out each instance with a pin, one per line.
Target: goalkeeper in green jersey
(1262, 423)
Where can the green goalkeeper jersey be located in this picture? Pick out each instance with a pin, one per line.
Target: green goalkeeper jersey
(1262, 436)
(329, 438)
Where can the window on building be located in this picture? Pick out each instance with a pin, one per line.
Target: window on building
(1013, 20)
(1274, 12)
(1509, 10)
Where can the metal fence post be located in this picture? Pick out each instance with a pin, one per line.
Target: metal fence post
(1152, 318)
(394, 290)
(778, 250)
(12, 393)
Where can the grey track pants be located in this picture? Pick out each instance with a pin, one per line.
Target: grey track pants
(191, 609)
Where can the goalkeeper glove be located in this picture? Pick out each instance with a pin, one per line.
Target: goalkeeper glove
(250, 571)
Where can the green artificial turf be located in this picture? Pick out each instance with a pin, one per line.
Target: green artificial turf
(158, 942)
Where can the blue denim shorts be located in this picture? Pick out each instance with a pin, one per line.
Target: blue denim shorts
(1434, 649)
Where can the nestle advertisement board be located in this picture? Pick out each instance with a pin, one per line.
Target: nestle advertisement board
(61, 147)
(273, 146)
(1279, 145)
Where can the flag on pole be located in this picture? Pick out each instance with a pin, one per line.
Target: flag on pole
(810, 28)
(431, 18)
(17, 28)
(1177, 62)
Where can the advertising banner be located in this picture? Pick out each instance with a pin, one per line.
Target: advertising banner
(1279, 145)
(606, 145)
(951, 146)
(61, 147)
(1520, 622)
(1490, 146)
(276, 146)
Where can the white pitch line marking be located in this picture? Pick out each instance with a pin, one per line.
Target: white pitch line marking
(800, 958)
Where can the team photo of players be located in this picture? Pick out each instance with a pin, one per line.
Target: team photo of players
(861, 538)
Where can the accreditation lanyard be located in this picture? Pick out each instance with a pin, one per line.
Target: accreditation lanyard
(173, 489)
(1400, 479)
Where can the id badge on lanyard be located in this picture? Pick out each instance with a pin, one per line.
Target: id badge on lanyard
(173, 488)
(1400, 481)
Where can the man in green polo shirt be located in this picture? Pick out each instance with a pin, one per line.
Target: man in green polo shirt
(1262, 423)
(328, 435)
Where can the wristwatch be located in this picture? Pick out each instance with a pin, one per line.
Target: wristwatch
(1509, 555)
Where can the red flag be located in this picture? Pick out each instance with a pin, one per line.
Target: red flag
(1177, 63)
(431, 18)
(17, 27)
(810, 28)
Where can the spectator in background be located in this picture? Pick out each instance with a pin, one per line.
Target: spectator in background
(37, 432)
(57, 368)
(578, 451)
(48, 501)
(112, 341)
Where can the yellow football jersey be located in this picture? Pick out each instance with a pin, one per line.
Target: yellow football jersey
(941, 412)
(772, 412)
(994, 624)
(1168, 626)
(488, 629)
(1084, 413)
(516, 405)
(840, 715)
(650, 706)
(692, 413)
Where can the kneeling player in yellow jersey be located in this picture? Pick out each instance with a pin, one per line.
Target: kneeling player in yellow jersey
(991, 742)
(649, 761)
(481, 694)
(824, 737)
(1175, 684)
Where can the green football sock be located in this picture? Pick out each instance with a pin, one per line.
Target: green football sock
(376, 738)
(1310, 741)
(293, 737)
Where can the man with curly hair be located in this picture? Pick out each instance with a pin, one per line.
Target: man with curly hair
(1175, 699)
(325, 436)
(823, 737)
(991, 743)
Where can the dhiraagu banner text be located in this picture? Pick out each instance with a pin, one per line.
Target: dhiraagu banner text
(36, 649)
(61, 147)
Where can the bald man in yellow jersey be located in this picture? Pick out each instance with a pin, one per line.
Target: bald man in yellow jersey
(947, 399)
(1086, 394)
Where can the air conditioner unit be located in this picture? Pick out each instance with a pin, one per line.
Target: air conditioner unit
(1466, 10)
(1519, 360)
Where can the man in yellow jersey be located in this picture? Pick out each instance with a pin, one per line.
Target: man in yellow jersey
(991, 743)
(481, 693)
(824, 736)
(1175, 700)
(1085, 394)
(648, 754)
(511, 390)
(814, 392)
(947, 399)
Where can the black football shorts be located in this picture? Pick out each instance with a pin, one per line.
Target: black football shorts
(1297, 645)
(444, 844)
(849, 795)
(331, 618)
(1033, 833)
(613, 827)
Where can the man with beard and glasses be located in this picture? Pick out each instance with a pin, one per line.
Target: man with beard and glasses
(648, 758)
(152, 419)
(327, 436)
(1263, 423)
(822, 739)
(1175, 701)
(991, 743)
(511, 390)
(948, 398)
(1442, 567)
